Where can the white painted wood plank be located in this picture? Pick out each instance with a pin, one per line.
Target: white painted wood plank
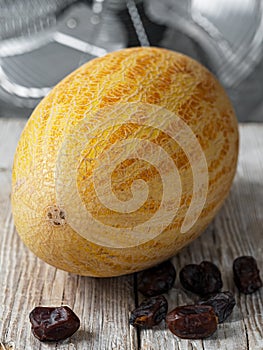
(103, 304)
(237, 230)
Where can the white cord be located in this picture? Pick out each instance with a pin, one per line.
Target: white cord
(137, 23)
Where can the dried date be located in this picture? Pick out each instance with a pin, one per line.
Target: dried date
(246, 274)
(157, 280)
(150, 312)
(192, 321)
(222, 303)
(53, 323)
(201, 279)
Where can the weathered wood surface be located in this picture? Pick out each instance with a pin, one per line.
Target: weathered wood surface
(103, 304)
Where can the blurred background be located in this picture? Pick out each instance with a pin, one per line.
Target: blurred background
(41, 41)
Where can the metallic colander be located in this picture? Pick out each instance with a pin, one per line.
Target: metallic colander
(227, 37)
(41, 41)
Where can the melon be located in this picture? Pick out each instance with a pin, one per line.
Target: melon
(126, 161)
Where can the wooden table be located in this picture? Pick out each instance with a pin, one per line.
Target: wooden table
(103, 305)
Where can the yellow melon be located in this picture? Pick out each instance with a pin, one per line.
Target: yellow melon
(125, 162)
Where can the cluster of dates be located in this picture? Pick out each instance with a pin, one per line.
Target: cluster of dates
(200, 320)
(189, 321)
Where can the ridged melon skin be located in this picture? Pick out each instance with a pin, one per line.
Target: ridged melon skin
(151, 76)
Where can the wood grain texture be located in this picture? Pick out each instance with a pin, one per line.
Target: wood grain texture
(103, 305)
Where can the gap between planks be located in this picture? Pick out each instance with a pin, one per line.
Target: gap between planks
(104, 304)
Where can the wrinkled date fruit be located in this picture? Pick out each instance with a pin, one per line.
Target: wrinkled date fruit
(201, 279)
(246, 274)
(222, 303)
(192, 321)
(150, 312)
(53, 323)
(157, 280)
